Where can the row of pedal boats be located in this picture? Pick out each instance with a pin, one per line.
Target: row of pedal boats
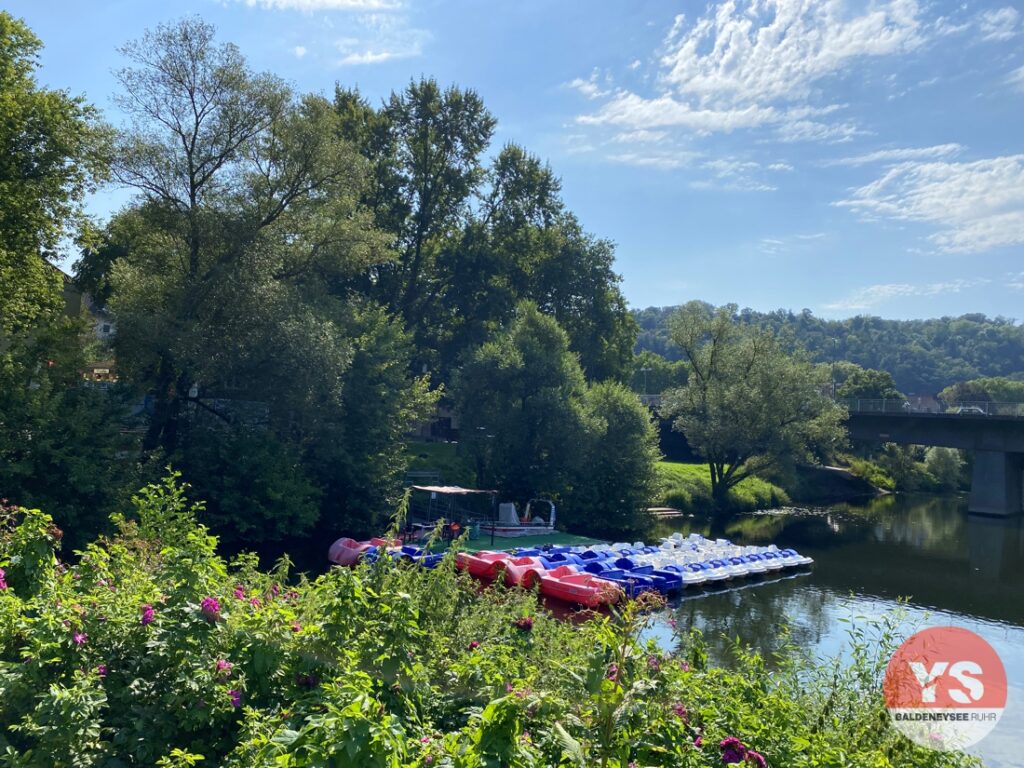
(604, 574)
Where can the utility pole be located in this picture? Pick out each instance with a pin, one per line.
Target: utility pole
(645, 369)
(835, 351)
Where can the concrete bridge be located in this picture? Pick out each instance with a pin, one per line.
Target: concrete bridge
(997, 441)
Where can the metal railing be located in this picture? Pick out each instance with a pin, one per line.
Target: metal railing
(962, 408)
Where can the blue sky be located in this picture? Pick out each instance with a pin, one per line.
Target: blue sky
(844, 156)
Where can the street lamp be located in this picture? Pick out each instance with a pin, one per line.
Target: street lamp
(835, 351)
(645, 369)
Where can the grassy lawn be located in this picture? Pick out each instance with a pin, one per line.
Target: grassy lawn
(688, 487)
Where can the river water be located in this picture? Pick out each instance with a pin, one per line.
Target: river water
(953, 569)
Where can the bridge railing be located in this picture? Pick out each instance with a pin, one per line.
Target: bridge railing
(963, 408)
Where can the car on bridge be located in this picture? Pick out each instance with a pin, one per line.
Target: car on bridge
(970, 410)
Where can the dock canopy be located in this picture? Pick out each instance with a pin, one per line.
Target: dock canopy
(449, 490)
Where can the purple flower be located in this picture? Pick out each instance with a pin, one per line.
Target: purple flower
(680, 712)
(224, 667)
(255, 602)
(424, 739)
(275, 590)
(239, 592)
(523, 624)
(147, 614)
(296, 627)
(236, 698)
(306, 681)
(654, 663)
(698, 742)
(756, 759)
(101, 670)
(3, 583)
(429, 759)
(685, 666)
(79, 638)
(613, 673)
(210, 607)
(733, 750)
(474, 645)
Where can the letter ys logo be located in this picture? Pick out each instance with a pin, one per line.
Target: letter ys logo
(945, 688)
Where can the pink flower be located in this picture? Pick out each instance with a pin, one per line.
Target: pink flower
(79, 638)
(685, 666)
(613, 673)
(680, 712)
(698, 742)
(210, 608)
(429, 759)
(474, 645)
(296, 627)
(239, 592)
(255, 602)
(733, 750)
(147, 614)
(275, 590)
(424, 739)
(236, 698)
(101, 670)
(756, 759)
(224, 667)
(509, 687)
(3, 583)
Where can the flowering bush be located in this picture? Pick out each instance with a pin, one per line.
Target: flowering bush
(153, 650)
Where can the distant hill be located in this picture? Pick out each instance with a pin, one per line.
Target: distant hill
(924, 356)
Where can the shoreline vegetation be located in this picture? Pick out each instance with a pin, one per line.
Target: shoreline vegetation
(154, 651)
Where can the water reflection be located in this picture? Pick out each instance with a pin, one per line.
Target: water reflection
(951, 567)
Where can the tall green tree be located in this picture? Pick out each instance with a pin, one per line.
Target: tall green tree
(475, 240)
(234, 279)
(52, 151)
(868, 384)
(520, 400)
(749, 404)
(616, 478)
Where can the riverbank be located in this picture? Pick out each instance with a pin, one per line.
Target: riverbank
(172, 655)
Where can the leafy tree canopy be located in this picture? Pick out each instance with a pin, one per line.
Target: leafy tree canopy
(996, 389)
(748, 403)
(923, 356)
(860, 383)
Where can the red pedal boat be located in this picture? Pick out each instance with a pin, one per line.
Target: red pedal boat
(565, 583)
(482, 565)
(523, 571)
(346, 551)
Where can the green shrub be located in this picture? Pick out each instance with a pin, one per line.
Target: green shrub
(152, 650)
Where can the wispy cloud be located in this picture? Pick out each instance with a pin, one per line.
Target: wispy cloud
(745, 65)
(591, 87)
(1000, 24)
(299, 51)
(1016, 79)
(665, 160)
(899, 155)
(976, 205)
(874, 295)
(381, 37)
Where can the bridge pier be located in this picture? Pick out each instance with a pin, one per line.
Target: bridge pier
(997, 483)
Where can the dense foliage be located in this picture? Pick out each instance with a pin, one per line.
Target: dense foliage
(152, 650)
(998, 389)
(749, 403)
(533, 426)
(923, 356)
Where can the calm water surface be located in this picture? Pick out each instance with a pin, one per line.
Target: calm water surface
(952, 568)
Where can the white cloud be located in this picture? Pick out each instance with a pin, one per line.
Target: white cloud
(758, 52)
(1016, 79)
(899, 155)
(1015, 281)
(635, 64)
(589, 87)
(380, 37)
(976, 205)
(873, 295)
(751, 64)
(665, 161)
(299, 51)
(321, 5)
(780, 167)
(999, 25)
(641, 136)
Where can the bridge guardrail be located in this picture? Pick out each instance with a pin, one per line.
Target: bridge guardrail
(964, 408)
